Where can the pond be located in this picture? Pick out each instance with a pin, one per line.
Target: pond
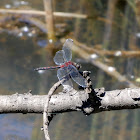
(110, 35)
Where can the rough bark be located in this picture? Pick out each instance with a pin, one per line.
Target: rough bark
(97, 101)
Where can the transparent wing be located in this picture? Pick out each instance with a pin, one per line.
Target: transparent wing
(58, 58)
(76, 76)
(67, 49)
(63, 73)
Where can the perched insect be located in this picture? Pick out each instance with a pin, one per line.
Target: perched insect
(66, 68)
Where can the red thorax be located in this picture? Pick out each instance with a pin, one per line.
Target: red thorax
(66, 64)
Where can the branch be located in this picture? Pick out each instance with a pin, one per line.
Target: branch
(101, 52)
(128, 98)
(56, 14)
(42, 13)
(46, 115)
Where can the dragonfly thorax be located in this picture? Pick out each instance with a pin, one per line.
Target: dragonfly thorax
(67, 70)
(66, 64)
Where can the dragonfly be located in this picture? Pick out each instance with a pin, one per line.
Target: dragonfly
(66, 69)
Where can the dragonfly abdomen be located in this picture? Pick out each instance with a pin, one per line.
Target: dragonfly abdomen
(47, 68)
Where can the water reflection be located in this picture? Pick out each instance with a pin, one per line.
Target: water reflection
(42, 43)
(16, 126)
(18, 60)
(16, 4)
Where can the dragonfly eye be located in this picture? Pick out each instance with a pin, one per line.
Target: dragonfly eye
(69, 40)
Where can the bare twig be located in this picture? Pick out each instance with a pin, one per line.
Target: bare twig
(42, 13)
(87, 109)
(117, 53)
(46, 106)
(28, 12)
(88, 89)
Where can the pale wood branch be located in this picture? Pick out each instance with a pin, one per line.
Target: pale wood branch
(73, 101)
(42, 13)
(111, 53)
(46, 115)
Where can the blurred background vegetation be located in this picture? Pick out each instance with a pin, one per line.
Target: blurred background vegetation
(111, 31)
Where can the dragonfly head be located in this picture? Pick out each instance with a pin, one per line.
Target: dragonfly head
(78, 66)
(70, 40)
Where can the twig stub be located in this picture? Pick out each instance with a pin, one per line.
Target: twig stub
(46, 116)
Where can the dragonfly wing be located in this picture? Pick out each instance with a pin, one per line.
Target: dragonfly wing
(58, 58)
(67, 49)
(63, 74)
(76, 76)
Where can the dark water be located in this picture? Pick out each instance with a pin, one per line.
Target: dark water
(112, 25)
